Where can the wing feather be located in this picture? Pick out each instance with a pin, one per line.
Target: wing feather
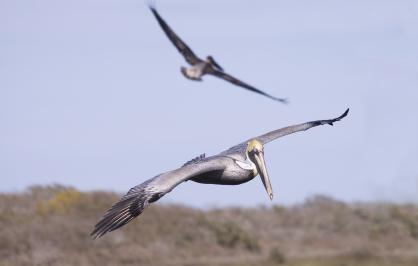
(196, 159)
(296, 128)
(181, 46)
(139, 197)
(272, 135)
(229, 78)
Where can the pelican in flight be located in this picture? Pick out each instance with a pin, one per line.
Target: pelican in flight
(235, 166)
(201, 67)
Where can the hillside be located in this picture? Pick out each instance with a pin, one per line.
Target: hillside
(51, 226)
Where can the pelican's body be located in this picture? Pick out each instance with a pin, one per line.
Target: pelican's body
(237, 171)
(196, 71)
(201, 67)
(237, 165)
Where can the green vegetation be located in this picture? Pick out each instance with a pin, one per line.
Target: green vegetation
(51, 226)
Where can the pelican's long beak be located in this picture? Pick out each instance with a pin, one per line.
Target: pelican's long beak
(262, 171)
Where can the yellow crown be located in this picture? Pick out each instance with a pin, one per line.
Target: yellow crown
(254, 144)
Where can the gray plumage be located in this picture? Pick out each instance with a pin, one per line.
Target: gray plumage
(201, 67)
(234, 166)
(196, 159)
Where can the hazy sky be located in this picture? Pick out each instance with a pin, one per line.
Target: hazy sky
(91, 95)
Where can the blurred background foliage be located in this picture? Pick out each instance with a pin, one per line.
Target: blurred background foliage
(51, 225)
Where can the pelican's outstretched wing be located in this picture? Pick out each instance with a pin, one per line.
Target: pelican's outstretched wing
(227, 77)
(301, 127)
(139, 197)
(188, 54)
(265, 138)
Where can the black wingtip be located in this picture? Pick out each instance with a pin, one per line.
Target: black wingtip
(152, 5)
(331, 122)
(344, 114)
(283, 100)
(95, 235)
(280, 100)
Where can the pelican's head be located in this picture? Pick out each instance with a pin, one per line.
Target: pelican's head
(184, 71)
(212, 61)
(255, 152)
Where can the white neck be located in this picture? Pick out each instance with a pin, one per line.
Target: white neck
(247, 165)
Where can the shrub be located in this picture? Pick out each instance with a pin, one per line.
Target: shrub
(61, 203)
(276, 256)
(408, 216)
(230, 235)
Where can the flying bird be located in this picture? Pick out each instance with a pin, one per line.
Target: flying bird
(201, 67)
(234, 166)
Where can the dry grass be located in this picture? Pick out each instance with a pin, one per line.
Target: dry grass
(51, 226)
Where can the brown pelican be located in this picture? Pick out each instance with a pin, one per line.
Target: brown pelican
(237, 165)
(202, 67)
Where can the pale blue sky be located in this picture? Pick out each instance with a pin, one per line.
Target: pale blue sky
(91, 95)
